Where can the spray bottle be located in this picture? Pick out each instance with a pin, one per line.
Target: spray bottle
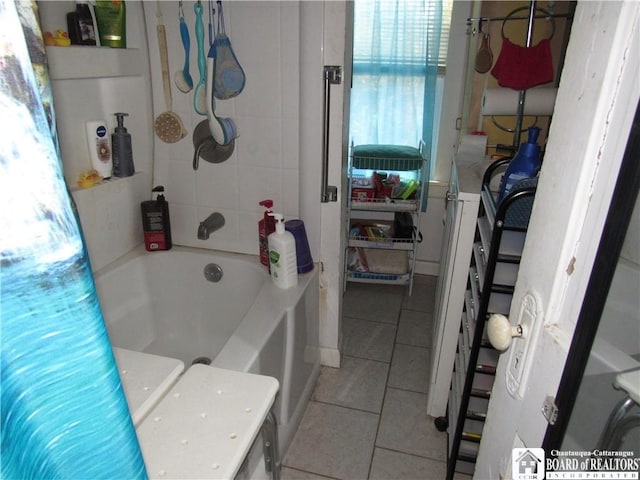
(525, 164)
(266, 226)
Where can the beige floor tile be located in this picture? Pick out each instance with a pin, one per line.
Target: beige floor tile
(410, 368)
(423, 297)
(415, 328)
(380, 303)
(365, 339)
(358, 383)
(287, 473)
(406, 427)
(389, 465)
(333, 441)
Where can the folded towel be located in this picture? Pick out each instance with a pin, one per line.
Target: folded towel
(521, 68)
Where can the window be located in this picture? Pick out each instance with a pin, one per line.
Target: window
(399, 47)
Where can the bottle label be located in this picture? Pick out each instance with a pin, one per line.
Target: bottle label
(155, 241)
(104, 152)
(274, 258)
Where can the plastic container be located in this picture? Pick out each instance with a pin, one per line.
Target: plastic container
(303, 252)
(111, 17)
(122, 151)
(156, 222)
(525, 164)
(282, 256)
(80, 25)
(266, 227)
(99, 147)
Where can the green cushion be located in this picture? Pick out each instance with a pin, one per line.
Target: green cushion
(387, 157)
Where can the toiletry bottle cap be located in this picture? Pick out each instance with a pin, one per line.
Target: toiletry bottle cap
(532, 134)
(266, 203)
(159, 190)
(279, 219)
(120, 119)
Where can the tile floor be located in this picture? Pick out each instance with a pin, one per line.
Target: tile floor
(367, 420)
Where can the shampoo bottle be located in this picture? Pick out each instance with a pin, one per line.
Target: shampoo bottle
(156, 223)
(282, 256)
(80, 25)
(111, 17)
(266, 226)
(525, 164)
(122, 151)
(99, 147)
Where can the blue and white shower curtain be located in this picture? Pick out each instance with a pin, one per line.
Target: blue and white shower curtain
(63, 410)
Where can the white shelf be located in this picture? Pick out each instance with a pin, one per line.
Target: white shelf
(389, 243)
(385, 205)
(85, 62)
(419, 168)
(370, 277)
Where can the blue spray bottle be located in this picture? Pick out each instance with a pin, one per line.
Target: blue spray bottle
(525, 164)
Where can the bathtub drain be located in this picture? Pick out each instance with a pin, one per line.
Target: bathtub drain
(202, 360)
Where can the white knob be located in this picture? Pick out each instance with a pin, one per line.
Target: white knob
(501, 332)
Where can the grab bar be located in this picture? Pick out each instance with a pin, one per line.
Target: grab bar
(332, 76)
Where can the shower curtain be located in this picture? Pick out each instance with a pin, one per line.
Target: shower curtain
(63, 410)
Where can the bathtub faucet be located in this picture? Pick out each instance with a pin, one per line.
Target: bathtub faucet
(213, 222)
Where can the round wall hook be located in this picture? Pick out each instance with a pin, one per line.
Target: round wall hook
(207, 148)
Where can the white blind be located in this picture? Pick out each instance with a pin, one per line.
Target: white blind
(423, 13)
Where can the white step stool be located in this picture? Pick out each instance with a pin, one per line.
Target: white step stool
(201, 425)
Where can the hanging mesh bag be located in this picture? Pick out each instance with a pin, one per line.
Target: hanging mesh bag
(229, 78)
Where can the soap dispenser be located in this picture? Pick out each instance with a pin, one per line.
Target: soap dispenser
(282, 255)
(122, 151)
(525, 164)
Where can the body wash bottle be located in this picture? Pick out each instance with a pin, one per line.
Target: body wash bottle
(122, 151)
(112, 21)
(282, 256)
(99, 147)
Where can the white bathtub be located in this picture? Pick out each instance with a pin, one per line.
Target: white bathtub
(161, 303)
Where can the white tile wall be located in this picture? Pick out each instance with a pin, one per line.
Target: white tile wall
(265, 38)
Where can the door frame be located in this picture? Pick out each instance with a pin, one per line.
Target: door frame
(616, 225)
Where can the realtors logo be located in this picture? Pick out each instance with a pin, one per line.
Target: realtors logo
(527, 463)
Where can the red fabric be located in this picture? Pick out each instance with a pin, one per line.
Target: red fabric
(521, 68)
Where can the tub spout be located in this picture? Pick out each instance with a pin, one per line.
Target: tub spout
(213, 222)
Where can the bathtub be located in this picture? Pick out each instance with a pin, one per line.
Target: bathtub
(161, 303)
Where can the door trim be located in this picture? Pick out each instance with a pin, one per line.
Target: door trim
(611, 242)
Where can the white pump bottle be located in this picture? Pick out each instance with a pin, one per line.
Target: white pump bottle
(282, 255)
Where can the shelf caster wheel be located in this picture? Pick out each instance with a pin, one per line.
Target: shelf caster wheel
(441, 424)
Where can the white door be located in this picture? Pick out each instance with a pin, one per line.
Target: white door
(598, 94)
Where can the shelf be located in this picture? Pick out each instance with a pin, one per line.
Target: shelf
(374, 196)
(511, 243)
(387, 243)
(85, 62)
(385, 205)
(369, 277)
(387, 157)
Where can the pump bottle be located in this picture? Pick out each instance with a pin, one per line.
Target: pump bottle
(156, 222)
(282, 256)
(266, 226)
(122, 151)
(525, 164)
